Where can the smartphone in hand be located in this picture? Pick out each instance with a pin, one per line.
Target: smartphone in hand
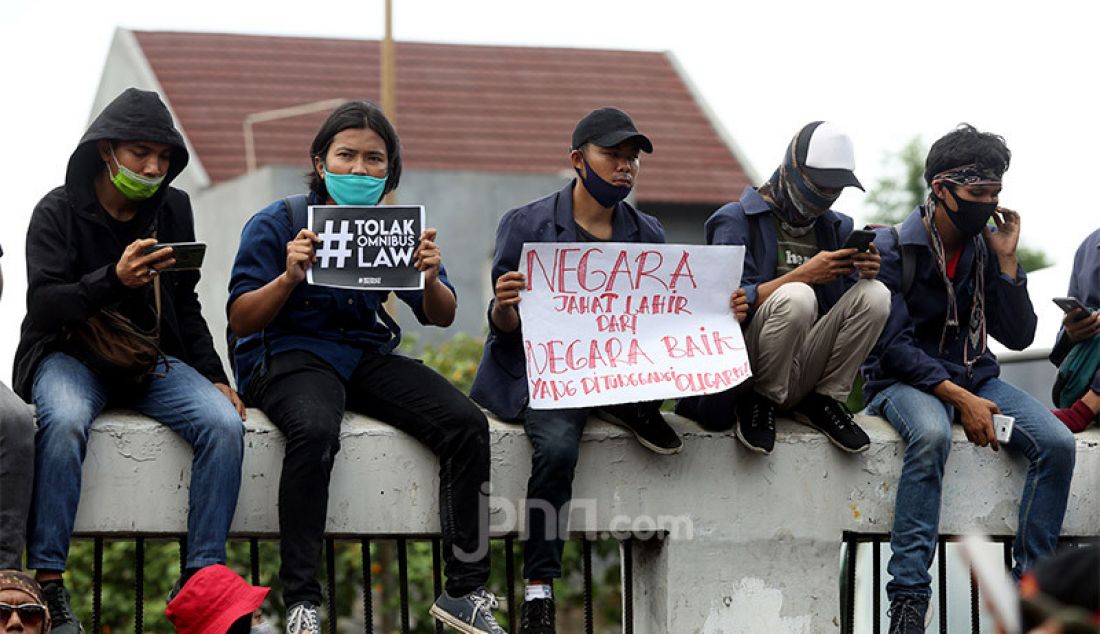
(860, 240)
(1070, 304)
(188, 255)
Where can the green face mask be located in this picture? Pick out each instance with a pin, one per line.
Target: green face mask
(134, 186)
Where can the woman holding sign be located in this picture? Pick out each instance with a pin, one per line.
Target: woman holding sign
(304, 352)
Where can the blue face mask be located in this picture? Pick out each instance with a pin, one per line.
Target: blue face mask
(354, 189)
(606, 194)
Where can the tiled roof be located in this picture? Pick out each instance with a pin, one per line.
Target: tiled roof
(459, 107)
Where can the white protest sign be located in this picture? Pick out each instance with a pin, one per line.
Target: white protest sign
(607, 323)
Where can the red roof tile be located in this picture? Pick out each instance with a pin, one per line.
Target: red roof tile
(469, 108)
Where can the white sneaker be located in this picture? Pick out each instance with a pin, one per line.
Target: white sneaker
(302, 618)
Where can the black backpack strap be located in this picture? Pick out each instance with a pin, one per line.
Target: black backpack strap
(908, 265)
(297, 207)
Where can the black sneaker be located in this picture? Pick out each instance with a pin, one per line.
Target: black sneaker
(756, 422)
(62, 619)
(833, 419)
(907, 615)
(647, 423)
(538, 617)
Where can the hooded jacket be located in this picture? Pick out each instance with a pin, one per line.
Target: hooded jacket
(72, 250)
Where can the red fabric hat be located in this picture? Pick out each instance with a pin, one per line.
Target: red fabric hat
(212, 600)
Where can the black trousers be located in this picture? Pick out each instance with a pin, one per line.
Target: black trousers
(306, 398)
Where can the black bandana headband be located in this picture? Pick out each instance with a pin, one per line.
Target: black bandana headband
(969, 175)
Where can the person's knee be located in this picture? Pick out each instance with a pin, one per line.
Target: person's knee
(932, 445)
(65, 419)
(874, 300)
(795, 301)
(1060, 450)
(224, 428)
(471, 427)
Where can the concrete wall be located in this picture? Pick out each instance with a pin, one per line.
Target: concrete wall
(754, 541)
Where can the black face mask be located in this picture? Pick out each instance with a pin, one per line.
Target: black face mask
(971, 216)
(606, 194)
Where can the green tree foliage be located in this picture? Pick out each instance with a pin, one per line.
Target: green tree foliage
(902, 189)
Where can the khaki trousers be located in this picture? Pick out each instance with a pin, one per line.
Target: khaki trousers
(793, 353)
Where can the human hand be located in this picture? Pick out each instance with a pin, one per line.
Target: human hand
(300, 253)
(427, 258)
(739, 304)
(869, 263)
(135, 269)
(234, 398)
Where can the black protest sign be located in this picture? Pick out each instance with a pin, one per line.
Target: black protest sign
(366, 247)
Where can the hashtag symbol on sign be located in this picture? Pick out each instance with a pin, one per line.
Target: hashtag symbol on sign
(334, 245)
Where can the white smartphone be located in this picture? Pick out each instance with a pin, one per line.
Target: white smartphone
(1002, 427)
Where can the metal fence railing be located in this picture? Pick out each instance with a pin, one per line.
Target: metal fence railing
(376, 559)
(949, 572)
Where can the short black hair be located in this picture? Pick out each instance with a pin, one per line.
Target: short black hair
(357, 115)
(965, 145)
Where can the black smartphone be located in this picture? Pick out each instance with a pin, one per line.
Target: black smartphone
(1070, 304)
(188, 255)
(860, 240)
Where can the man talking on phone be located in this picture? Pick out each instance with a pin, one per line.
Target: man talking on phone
(1077, 350)
(953, 279)
(815, 308)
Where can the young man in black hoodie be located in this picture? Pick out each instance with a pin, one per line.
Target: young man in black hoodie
(86, 253)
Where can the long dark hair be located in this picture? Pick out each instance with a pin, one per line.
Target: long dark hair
(357, 115)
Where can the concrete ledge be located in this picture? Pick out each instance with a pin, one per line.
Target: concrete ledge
(385, 482)
(744, 527)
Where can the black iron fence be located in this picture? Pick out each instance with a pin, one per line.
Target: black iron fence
(377, 560)
(859, 545)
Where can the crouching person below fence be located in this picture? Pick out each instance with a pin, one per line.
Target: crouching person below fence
(22, 605)
(108, 324)
(815, 306)
(953, 279)
(306, 352)
(1076, 392)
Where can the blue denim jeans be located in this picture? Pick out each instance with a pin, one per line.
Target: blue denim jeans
(69, 397)
(924, 422)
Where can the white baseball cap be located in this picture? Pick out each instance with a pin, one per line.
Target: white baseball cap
(826, 155)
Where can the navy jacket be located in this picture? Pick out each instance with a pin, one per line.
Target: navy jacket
(501, 382)
(751, 223)
(908, 349)
(335, 324)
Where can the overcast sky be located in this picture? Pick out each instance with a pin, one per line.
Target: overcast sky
(885, 71)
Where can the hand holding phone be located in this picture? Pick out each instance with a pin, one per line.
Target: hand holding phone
(188, 255)
(860, 240)
(1070, 304)
(1002, 427)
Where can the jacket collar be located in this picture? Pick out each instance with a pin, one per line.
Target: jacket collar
(913, 231)
(624, 222)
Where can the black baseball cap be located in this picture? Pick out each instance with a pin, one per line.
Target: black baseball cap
(608, 127)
